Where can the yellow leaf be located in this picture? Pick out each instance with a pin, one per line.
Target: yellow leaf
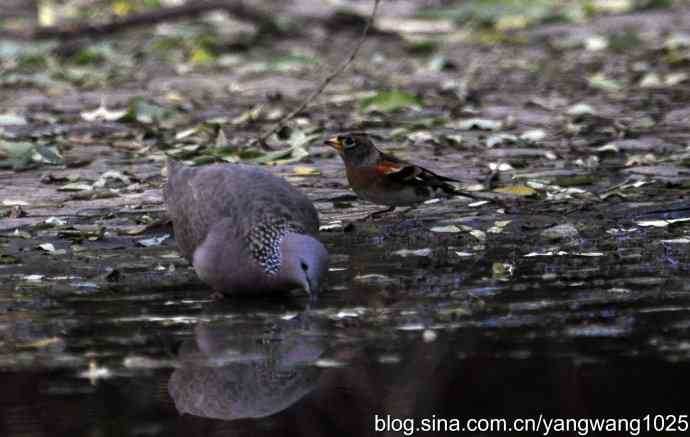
(46, 13)
(301, 170)
(174, 97)
(518, 190)
(202, 56)
(498, 227)
(121, 8)
(41, 343)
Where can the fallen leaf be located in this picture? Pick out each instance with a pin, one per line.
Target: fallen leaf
(411, 327)
(610, 147)
(111, 175)
(502, 271)
(11, 202)
(76, 187)
(675, 78)
(283, 156)
(42, 343)
(581, 109)
(500, 166)
(452, 139)
(651, 80)
(374, 278)
(660, 223)
(548, 253)
(155, 241)
(248, 116)
(389, 101)
(331, 226)
(180, 135)
(21, 234)
(611, 6)
(677, 241)
(446, 229)
(478, 234)
(518, 190)
(9, 119)
(498, 227)
(306, 171)
(55, 221)
(8, 259)
(139, 109)
(479, 123)
(560, 232)
(596, 43)
(464, 254)
(533, 136)
(328, 363)
(299, 140)
(600, 81)
(16, 155)
(416, 252)
(478, 203)
(103, 113)
(500, 139)
(34, 278)
(48, 247)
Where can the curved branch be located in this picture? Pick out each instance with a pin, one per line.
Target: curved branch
(324, 83)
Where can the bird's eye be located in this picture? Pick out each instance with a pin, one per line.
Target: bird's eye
(348, 142)
(304, 266)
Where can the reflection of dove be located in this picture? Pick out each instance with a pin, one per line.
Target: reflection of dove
(234, 371)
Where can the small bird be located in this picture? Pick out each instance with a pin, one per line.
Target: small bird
(244, 230)
(386, 180)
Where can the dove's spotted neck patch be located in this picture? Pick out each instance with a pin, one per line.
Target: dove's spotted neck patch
(265, 240)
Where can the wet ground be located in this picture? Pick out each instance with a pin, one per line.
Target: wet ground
(569, 298)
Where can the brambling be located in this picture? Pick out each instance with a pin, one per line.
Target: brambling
(386, 180)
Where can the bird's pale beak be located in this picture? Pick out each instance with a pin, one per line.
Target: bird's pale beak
(335, 143)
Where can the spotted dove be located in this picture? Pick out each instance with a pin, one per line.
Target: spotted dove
(244, 230)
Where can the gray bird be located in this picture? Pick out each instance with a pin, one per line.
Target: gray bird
(244, 230)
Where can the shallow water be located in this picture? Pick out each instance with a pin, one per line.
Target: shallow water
(496, 332)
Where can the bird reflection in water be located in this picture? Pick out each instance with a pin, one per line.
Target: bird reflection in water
(246, 367)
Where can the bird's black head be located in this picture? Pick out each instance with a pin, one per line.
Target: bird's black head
(348, 141)
(355, 148)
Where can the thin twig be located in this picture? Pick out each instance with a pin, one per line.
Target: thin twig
(324, 83)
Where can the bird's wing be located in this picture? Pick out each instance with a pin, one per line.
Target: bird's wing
(396, 169)
(404, 172)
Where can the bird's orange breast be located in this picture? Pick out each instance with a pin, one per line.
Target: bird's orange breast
(371, 184)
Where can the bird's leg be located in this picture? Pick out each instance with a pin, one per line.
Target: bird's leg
(375, 214)
(489, 184)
